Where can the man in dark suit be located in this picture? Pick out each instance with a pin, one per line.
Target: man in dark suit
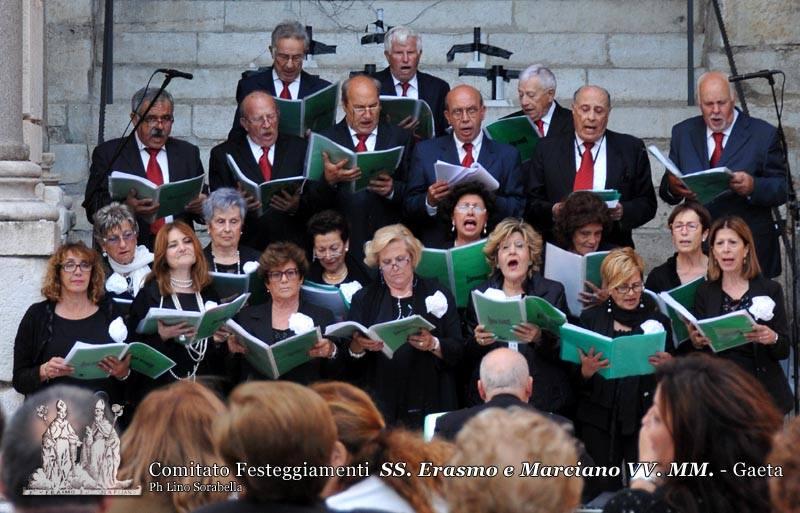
(537, 92)
(381, 204)
(747, 146)
(403, 49)
(150, 154)
(285, 78)
(592, 158)
(263, 155)
(465, 111)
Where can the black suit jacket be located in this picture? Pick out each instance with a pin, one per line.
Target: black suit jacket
(560, 122)
(183, 159)
(431, 89)
(289, 159)
(551, 174)
(763, 361)
(262, 81)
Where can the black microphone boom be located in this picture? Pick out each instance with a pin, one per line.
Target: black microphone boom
(175, 73)
(764, 73)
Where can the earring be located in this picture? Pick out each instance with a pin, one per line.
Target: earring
(609, 305)
(381, 275)
(641, 304)
(105, 254)
(453, 229)
(484, 230)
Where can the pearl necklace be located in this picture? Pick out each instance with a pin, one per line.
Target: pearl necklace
(238, 262)
(181, 284)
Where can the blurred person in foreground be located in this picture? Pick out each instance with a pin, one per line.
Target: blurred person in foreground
(785, 490)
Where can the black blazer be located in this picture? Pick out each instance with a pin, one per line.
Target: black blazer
(262, 81)
(356, 270)
(766, 359)
(289, 161)
(184, 162)
(560, 123)
(664, 277)
(551, 173)
(431, 89)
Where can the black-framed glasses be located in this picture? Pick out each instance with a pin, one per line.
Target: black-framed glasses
(290, 274)
(71, 267)
(114, 240)
(152, 120)
(634, 287)
(400, 262)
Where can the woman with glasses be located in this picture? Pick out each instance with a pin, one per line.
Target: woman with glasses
(735, 283)
(609, 411)
(689, 223)
(420, 378)
(75, 309)
(467, 213)
(332, 262)
(283, 265)
(224, 211)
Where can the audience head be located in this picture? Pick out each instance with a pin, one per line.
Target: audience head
(157, 125)
(514, 249)
(505, 371)
(689, 223)
(283, 265)
(288, 46)
(580, 223)
(506, 437)
(465, 111)
(177, 248)
(282, 424)
(361, 103)
(172, 426)
(591, 106)
(717, 99)
(74, 269)
(402, 48)
(330, 236)
(115, 231)
(785, 490)
(470, 207)
(537, 91)
(396, 252)
(224, 211)
(622, 272)
(732, 249)
(260, 118)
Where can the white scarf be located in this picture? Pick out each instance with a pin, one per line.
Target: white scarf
(137, 270)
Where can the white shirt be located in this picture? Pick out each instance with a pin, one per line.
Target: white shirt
(413, 91)
(547, 117)
(599, 156)
(372, 138)
(726, 133)
(477, 144)
(161, 158)
(257, 151)
(294, 86)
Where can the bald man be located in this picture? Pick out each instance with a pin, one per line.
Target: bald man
(747, 146)
(592, 158)
(465, 112)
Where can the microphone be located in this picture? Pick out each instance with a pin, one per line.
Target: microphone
(175, 73)
(764, 73)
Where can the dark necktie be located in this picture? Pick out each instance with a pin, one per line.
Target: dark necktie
(717, 153)
(263, 163)
(404, 86)
(584, 179)
(155, 175)
(285, 94)
(468, 160)
(362, 142)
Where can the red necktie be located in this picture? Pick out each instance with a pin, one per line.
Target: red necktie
(404, 86)
(362, 142)
(154, 174)
(584, 179)
(717, 153)
(285, 94)
(540, 125)
(468, 160)
(263, 163)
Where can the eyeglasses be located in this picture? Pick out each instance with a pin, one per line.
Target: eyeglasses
(154, 120)
(266, 118)
(463, 208)
(470, 112)
(624, 289)
(363, 109)
(692, 227)
(400, 262)
(284, 58)
(331, 252)
(114, 240)
(290, 274)
(71, 267)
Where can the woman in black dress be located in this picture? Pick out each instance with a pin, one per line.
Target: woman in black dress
(469, 211)
(224, 211)
(332, 262)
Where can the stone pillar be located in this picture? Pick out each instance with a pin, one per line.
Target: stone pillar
(28, 224)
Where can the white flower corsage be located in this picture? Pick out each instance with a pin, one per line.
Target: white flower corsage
(494, 294)
(348, 289)
(436, 304)
(210, 304)
(300, 323)
(250, 267)
(651, 326)
(762, 308)
(116, 284)
(117, 330)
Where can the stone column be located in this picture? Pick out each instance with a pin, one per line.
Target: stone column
(29, 229)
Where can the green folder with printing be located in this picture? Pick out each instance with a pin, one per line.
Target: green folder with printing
(572, 270)
(610, 196)
(392, 333)
(144, 359)
(229, 286)
(460, 269)
(371, 163)
(724, 331)
(171, 197)
(206, 323)
(683, 294)
(265, 190)
(314, 112)
(326, 296)
(395, 109)
(707, 185)
(276, 360)
(499, 316)
(518, 131)
(627, 355)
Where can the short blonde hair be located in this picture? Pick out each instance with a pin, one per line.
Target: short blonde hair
(504, 230)
(385, 236)
(620, 265)
(506, 437)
